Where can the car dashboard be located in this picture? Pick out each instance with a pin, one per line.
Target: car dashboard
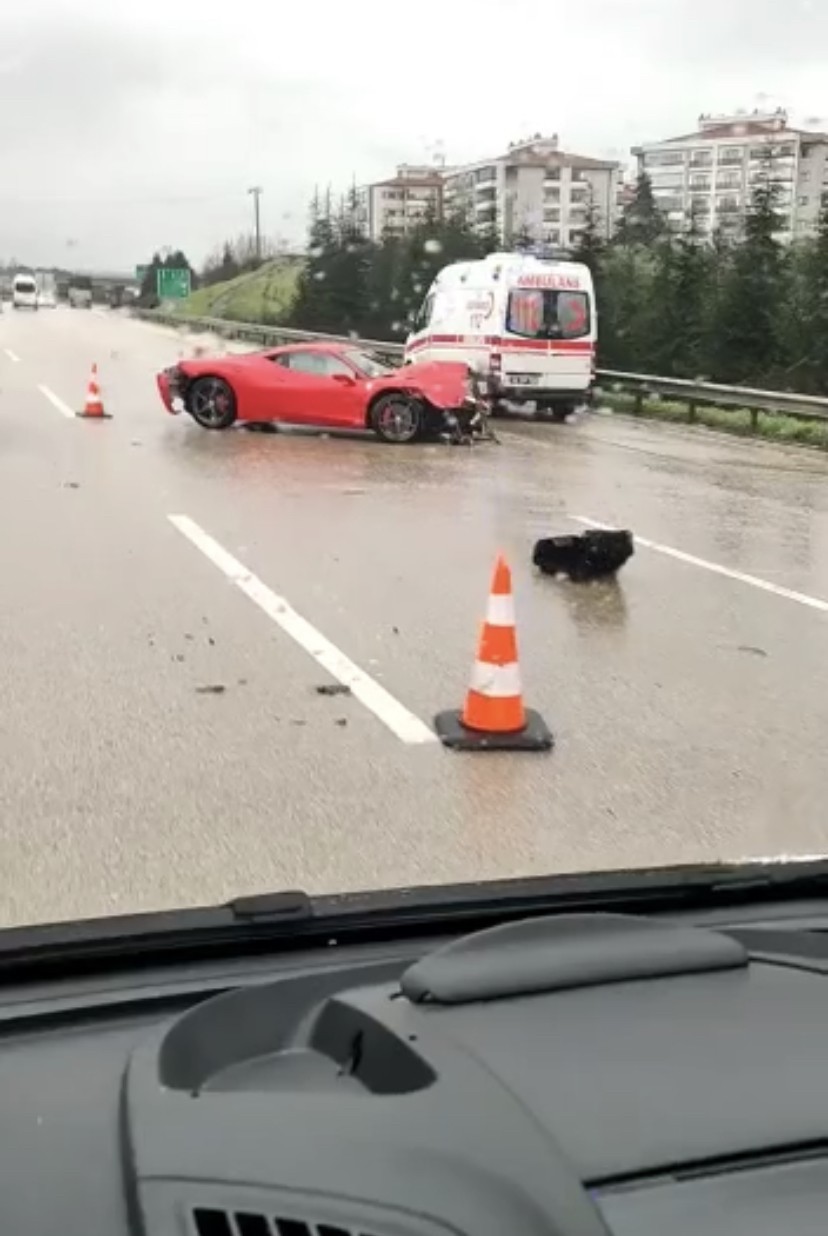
(567, 1075)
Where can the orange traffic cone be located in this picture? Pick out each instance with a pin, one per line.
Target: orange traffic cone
(493, 717)
(93, 408)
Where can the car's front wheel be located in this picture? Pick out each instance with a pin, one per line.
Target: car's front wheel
(397, 418)
(212, 403)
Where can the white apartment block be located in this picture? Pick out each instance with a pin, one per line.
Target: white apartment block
(534, 189)
(397, 205)
(711, 173)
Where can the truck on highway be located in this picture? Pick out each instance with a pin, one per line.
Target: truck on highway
(80, 292)
(526, 325)
(46, 289)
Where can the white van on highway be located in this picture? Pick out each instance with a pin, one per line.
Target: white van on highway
(24, 292)
(526, 325)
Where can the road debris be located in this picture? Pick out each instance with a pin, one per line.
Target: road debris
(592, 555)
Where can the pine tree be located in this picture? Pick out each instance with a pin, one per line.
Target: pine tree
(313, 307)
(591, 244)
(803, 319)
(641, 221)
(149, 284)
(625, 310)
(522, 240)
(746, 345)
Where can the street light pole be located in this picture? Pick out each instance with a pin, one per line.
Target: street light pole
(257, 192)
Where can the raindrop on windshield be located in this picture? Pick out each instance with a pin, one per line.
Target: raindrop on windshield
(320, 274)
(315, 251)
(433, 245)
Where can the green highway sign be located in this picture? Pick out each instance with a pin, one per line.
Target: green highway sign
(172, 284)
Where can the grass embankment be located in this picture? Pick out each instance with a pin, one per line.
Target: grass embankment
(264, 296)
(786, 430)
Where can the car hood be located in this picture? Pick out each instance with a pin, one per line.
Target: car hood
(443, 383)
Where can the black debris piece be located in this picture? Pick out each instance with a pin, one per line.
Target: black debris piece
(333, 688)
(592, 555)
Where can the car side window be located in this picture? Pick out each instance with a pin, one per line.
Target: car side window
(322, 364)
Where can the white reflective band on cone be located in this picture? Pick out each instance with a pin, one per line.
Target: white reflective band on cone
(500, 682)
(500, 612)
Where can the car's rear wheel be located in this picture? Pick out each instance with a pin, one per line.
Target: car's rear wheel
(548, 410)
(211, 403)
(397, 418)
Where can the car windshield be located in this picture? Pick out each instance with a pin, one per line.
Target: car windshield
(420, 475)
(368, 363)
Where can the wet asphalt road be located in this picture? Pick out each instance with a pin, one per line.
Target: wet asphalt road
(690, 707)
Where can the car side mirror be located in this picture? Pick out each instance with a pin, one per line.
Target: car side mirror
(344, 379)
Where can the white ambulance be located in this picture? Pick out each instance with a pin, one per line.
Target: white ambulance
(526, 325)
(24, 291)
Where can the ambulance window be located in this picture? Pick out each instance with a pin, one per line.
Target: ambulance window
(424, 313)
(548, 314)
(573, 314)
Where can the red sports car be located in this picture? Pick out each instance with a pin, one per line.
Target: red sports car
(329, 385)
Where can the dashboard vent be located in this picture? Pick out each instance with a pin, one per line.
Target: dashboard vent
(212, 1222)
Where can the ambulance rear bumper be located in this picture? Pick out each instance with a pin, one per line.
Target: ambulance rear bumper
(544, 394)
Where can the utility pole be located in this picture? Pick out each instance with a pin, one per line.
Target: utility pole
(257, 192)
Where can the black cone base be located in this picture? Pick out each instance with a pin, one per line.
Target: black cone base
(535, 735)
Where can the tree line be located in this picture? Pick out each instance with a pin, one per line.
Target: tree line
(741, 308)
(744, 309)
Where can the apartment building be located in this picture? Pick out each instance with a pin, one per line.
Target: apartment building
(534, 189)
(397, 205)
(711, 172)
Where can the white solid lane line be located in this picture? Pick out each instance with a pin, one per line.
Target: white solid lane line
(12, 355)
(754, 581)
(56, 401)
(404, 724)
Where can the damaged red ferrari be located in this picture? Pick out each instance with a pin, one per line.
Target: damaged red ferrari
(330, 386)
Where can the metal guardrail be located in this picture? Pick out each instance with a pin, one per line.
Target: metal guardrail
(267, 336)
(641, 385)
(714, 395)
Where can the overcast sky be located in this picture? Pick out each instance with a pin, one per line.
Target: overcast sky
(122, 133)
